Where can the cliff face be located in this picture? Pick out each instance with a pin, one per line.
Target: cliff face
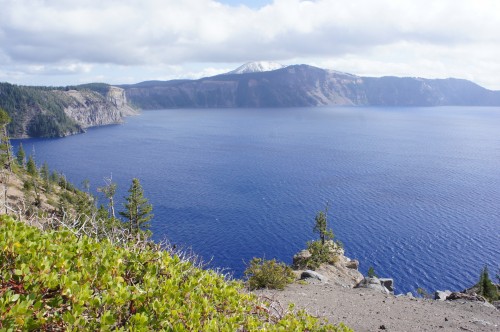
(57, 112)
(89, 108)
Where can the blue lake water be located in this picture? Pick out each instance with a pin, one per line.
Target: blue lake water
(413, 192)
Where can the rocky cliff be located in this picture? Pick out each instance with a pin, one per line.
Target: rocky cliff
(57, 112)
(89, 108)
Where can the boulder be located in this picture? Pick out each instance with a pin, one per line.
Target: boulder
(375, 284)
(352, 264)
(387, 283)
(441, 295)
(312, 274)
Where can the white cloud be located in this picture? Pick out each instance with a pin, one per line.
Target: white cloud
(438, 38)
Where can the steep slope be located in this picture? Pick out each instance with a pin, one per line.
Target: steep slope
(57, 112)
(303, 85)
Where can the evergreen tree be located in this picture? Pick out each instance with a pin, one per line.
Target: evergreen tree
(5, 147)
(371, 273)
(31, 166)
(21, 156)
(44, 172)
(45, 175)
(137, 209)
(54, 177)
(321, 226)
(486, 287)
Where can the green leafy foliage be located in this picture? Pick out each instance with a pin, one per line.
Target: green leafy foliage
(262, 273)
(56, 281)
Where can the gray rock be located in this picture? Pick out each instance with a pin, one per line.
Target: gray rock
(352, 264)
(373, 283)
(496, 304)
(470, 298)
(441, 295)
(388, 283)
(300, 259)
(312, 274)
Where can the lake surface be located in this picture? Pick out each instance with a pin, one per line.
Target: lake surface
(413, 192)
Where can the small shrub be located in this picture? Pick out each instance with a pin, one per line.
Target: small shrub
(322, 253)
(424, 293)
(262, 273)
(371, 273)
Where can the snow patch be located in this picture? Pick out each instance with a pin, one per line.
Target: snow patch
(257, 67)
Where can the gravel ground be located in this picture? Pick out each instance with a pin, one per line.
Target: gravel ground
(368, 310)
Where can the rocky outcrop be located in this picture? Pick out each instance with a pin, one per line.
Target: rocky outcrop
(454, 296)
(342, 270)
(383, 285)
(90, 109)
(441, 295)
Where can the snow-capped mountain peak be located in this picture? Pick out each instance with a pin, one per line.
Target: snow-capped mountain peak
(257, 66)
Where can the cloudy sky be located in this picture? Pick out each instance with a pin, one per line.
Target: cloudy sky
(62, 42)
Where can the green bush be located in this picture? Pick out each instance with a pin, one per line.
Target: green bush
(371, 273)
(262, 273)
(322, 253)
(55, 281)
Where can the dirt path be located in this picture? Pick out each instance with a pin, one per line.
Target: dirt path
(368, 310)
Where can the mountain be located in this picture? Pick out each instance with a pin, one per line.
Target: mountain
(256, 67)
(303, 85)
(57, 112)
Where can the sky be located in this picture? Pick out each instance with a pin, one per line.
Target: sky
(66, 42)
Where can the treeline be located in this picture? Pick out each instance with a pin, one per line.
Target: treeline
(39, 111)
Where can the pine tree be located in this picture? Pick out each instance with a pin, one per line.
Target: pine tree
(45, 175)
(137, 209)
(44, 172)
(486, 286)
(5, 147)
(21, 156)
(31, 166)
(371, 273)
(321, 226)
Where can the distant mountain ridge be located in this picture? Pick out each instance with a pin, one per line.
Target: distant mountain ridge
(304, 85)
